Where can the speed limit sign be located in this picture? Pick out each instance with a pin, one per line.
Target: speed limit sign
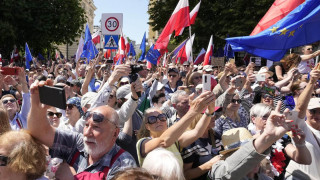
(111, 23)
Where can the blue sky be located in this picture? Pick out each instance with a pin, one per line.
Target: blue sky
(135, 16)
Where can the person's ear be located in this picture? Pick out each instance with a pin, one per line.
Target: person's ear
(253, 119)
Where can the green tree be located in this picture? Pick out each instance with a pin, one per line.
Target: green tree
(40, 23)
(216, 17)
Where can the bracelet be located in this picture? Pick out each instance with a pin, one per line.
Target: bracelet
(209, 115)
(300, 145)
(16, 85)
(134, 98)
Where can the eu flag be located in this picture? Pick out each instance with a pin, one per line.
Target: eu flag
(28, 56)
(300, 27)
(153, 55)
(131, 52)
(89, 49)
(143, 48)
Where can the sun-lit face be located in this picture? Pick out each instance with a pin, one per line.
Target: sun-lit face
(313, 118)
(53, 116)
(157, 127)
(10, 104)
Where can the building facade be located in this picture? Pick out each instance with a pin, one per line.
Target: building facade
(69, 50)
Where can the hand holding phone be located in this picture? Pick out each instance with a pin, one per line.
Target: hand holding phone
(261, 77)
(206, 82)
(53, 96)
(9, 70)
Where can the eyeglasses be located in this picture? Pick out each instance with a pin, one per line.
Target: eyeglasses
(50, 77)
(153, 119)
(58, 115)
(9, 100)
(123, 83)
(70, 106)
(96, 117)
(309, 49)
(172, 75)
(313, 111)
(4, 160)
(186, 65)
(236, 100)
(315, 95)
(198, 77)
(267, 96)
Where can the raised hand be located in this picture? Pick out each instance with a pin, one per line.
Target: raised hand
(201, 102)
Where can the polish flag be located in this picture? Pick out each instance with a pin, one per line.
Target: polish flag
(121, 51)
(180, 18)
(127, 45)
(164, 60)
(200, 57)
(96, 37)
(209, 53)
(185, 52)
(193, 15)
(80, 49)
(57, 55)
(107, 54)
(189, 48)
(0, 58)
(278, 10)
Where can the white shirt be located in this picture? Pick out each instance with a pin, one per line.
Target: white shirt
(306, 66)
(312, 170)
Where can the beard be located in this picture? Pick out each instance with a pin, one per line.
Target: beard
(95, 151)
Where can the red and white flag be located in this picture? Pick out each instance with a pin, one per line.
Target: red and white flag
(57, 55)
(193, 16)
(96, 37)
(209, 53)
(79, 50)
(127, 44)
(179, 19)
(0, 58)
(185, 52)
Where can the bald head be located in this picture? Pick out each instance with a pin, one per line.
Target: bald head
(109, 114)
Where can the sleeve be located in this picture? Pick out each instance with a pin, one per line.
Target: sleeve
(188, 154)
(127, 110)
(239, 164)
(25, 108)
(247, 99)
(218, 127)
(65, 144)
(102, 96)
(153, 90)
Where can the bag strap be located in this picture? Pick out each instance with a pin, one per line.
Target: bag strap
(74, 158)
(19, 122)
(114, 158)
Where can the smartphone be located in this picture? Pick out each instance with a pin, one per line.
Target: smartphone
(206, 82)
(53, 96)
(110, 61)
(261, 77)
(293, 115)
(10, 70)
(238, 82)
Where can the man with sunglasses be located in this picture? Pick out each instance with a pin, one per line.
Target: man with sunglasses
(308, 108)
(89, 154)
(173, 82)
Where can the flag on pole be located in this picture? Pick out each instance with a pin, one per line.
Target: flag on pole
(89, 49)
(153, 55)
(131, 52)
(185, 52)
(178, 48)
(61, 55)
(121, 50)
(180, 18)
(80, 49)
(189, 48)
(143, 48)
(1, 58)
(96, 37)
(209, 53)
(28, 56)
(200, 57)
(57, 55)
(298, 28)
(40, 57)
(193, 16)
(127, 44)
(278, 10)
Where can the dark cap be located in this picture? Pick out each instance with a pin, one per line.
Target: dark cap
(173, 70)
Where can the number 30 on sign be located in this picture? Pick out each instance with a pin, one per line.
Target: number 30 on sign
(111, 23)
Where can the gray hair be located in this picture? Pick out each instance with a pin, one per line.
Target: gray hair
(260, 110)
(175, 96)
(167, 166)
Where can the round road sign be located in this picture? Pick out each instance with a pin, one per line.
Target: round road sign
(112, 24)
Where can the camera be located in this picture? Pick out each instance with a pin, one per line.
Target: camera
(134, 70)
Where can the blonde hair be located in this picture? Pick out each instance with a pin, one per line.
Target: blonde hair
(190, 80)
(144, 132)
(26, 155)
(4, 120)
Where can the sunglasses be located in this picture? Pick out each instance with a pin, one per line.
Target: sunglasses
(186, 65)
(236, 100)
(315, 95)
(267, 96)
(7, 100)
(172, 75)
(313, 111)
(309, 49)
(96, 117)
(58, 115)
(123, 83)
(70, 106)
(153, 119)
(4, 160)
(50, 77)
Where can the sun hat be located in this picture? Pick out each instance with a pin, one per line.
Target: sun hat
(314, 103)
(234, 138)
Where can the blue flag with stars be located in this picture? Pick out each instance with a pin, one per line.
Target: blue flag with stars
(300, 27)
(143, 48)
(28, 56)
(131, 52)
(89, 49)
(153, 55)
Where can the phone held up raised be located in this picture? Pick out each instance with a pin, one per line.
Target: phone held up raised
(53, 96)
(206, 82)
(9, 70)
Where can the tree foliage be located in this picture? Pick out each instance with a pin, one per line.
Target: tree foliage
(40, 23)
(219, 18)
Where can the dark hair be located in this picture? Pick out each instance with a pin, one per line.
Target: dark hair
(42, 78)
(156, 98)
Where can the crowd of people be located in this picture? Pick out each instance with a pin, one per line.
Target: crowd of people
(254, 122)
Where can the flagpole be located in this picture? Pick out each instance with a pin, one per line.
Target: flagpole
(191, 44)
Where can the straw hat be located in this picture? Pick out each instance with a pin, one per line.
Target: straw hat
(265, 69)
(234, 138)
